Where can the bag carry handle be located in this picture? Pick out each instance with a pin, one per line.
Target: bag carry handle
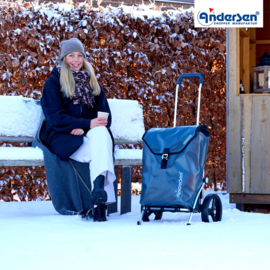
(190, 75)
(181, 77)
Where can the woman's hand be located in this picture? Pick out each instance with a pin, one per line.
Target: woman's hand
(77, 131)
(101, 121)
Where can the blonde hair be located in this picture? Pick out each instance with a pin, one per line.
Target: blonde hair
(68, 83)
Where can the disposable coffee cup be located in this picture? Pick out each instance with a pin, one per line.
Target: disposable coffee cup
(103, 114)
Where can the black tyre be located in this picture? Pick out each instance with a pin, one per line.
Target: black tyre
(212, 207)
(147, 214)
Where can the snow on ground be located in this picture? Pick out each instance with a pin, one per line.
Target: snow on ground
(34, 236)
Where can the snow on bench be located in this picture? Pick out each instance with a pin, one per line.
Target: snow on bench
(21, 117)
(30, 156)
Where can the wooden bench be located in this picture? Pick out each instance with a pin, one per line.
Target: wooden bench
(21, 117)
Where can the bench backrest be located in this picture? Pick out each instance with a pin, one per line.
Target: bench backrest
(20, 118)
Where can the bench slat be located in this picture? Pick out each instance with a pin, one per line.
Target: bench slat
(30, 139)
(128, 162)
(36, 162)
(26, 162)
(16, 139)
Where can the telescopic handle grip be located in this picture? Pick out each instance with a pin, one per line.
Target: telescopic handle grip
(190, 75)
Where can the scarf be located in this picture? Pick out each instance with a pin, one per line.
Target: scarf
(83, 93)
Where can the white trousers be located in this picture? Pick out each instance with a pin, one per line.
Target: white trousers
(97, 151)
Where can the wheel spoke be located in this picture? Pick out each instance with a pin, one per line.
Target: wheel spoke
(214, 217)
(214, 203)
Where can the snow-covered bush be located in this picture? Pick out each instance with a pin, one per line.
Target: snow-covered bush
(138, 53)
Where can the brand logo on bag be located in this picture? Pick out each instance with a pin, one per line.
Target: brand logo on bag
(187, 139)
(180, 182)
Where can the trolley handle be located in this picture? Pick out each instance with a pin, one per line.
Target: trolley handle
(190, 75)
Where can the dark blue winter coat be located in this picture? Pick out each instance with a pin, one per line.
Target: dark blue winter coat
(62, 116)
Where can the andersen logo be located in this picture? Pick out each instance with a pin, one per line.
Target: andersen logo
(211, 19)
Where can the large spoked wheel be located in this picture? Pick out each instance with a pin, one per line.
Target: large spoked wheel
(147, 214)
(212, 207)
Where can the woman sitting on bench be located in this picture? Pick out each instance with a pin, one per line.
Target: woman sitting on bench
(71, 101)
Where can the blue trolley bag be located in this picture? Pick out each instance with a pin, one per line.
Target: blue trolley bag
(173, 161)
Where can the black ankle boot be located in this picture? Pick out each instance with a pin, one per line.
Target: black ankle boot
(99, 195)
(100, 213)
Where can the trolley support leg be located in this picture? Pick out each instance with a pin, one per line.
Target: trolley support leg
(199, 103)
(140, 221)
(190, 217)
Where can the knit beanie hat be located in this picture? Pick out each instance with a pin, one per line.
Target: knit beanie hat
(71, 45)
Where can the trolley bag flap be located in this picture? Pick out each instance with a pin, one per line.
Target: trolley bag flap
(173, 162)
(175, 139)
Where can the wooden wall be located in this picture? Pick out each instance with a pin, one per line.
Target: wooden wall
(248, 118)
(234, 171)
(256, 129)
